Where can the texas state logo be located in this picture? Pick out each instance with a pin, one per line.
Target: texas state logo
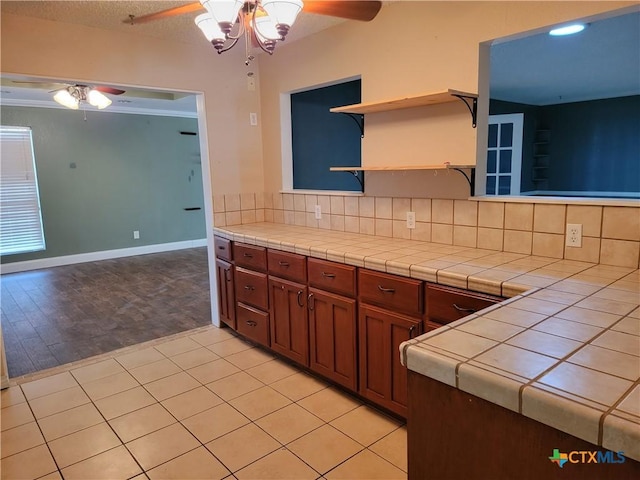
(586, 456)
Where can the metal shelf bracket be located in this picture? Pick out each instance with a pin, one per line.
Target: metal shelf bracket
(472, 105)
(471, 179)
(359, 119)
(359, 176)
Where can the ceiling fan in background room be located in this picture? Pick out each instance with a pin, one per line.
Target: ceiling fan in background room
(73, 95)
(262, 23)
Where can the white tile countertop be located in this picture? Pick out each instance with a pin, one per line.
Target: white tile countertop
(563, 349)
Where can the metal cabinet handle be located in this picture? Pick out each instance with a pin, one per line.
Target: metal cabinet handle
(329, 275)
(283, 264)
(386, 290)
(248, 255)
(411, 331)
(251, 323)
(300, 304)
(220, 247)
(311, 301)
(249, 287)
(227, 277)
(465, 310)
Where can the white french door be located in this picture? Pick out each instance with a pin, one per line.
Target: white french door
(504, 154)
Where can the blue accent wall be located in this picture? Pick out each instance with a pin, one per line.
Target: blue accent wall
(114, 173)
(321, 139)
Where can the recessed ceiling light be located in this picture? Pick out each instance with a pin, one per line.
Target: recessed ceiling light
(568, 29)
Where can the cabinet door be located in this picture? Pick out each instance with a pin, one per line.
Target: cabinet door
(332, 337)
(289, 319)
(383, 379)
(226, 294)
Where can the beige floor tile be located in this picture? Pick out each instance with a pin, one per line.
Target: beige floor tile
(272, 371)
(97, 371)
(213, 335)
(139, 358)
(154, 371)
(83, 444)
(215, 422)
(162, 446)
(116, 463)
(70, 421)
(234, 385)
(52, 476)
(329, 404)
(197, 464)
(58, 402)
(141, 422)
(193, 358)
(249, 358)
(11, 396)
(393, 448)
(48, 385)
(281, 464)
(366, 466)
(230, 346)
(243, 446)
(365, 425)
(177, 346)
(31, 463)
(191, 402)
(324, 448)
(212, 371)
(16, 415)
(298, 386)
(260, 402)
(289, 423)
(171, 386)
(124, 402)
(110, 385)
(20, 438)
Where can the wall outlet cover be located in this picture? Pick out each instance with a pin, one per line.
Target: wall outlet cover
(411, 219)
(318, 212)
(136, 234)
(573, 238)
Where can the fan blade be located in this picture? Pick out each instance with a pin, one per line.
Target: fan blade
(28, 84)
(362, 10)
(171, 12)
(111, 90)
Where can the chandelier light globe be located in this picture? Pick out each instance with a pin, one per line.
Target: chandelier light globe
(224, 12)
(97, 99)
(211, 30)
(283, 13)
(64, 98)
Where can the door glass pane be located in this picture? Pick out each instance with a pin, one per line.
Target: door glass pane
(504, 185)
(505, 161)
(491, 185)
(491, 161)
(506, 134)
(493, 136)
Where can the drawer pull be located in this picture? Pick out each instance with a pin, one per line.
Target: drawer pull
(220, 247)
(251, 323)
(300, 304)
(311, 302)
(283, 264)
(227, 277)
(247, 255)
(386, 290)
(411, 331)
(328, 275)
(249, 287)
(465, 310)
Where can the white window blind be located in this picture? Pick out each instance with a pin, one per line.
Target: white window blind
(20, 218)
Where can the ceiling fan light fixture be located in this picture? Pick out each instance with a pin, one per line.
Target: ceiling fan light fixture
(224, 12)
(283, 13)
(66, 99)
(97, 99)
(266, 29)
(211, 30)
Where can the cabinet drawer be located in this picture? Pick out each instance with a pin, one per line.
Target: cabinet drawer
(390, 291)
(250, 256)
(332, 277)
(251, 288)
(253, 324)
(447, 304)
(287, 265)
(223, 248)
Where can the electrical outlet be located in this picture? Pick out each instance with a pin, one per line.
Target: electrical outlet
(253, 119)
(574, 235)
(318, 212)
(411, 219)
(136, 234)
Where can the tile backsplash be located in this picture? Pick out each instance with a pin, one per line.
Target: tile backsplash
(611, 234)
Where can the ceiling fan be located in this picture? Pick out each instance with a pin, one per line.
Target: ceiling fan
(264, 22)
(71, 95)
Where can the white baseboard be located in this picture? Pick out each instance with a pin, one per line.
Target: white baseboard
(96, 256)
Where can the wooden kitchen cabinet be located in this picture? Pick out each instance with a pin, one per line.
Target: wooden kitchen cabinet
(383, 379)
(289, 324)
(448, 304)
(226, 292)
(332, 337)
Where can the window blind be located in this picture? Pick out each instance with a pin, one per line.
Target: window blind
(20, 218)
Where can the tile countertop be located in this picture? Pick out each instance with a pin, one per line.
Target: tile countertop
(563, 349)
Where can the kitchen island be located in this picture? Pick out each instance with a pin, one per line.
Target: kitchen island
(562, 352)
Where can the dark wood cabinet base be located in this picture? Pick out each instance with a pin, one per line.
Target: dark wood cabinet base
(455, 435)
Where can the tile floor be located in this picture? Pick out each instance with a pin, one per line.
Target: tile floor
(201, 404)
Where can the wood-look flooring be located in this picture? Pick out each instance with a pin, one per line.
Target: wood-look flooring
(59, 315)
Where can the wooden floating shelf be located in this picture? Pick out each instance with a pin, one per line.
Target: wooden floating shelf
(399, 168)
(405, 102)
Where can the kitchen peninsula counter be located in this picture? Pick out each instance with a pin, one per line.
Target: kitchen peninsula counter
(563, 349)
